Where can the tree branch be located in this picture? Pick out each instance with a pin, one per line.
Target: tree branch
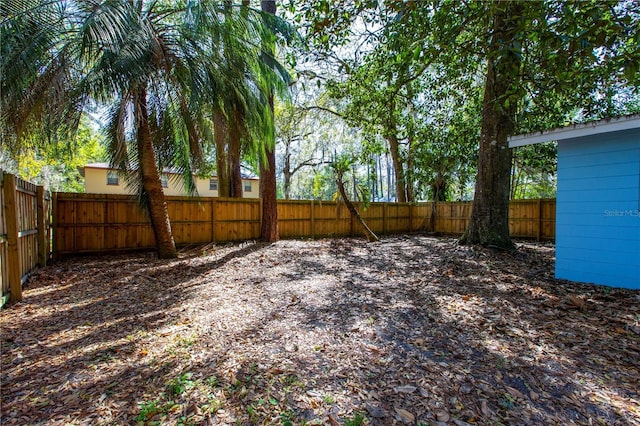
(329, 110)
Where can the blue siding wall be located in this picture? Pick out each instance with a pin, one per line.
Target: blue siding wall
(598, 203)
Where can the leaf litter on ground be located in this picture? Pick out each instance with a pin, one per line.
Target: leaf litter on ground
(409, 330)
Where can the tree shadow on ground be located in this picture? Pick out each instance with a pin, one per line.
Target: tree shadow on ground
(85, 315)
(547, 360)
(309, 332)
(484, 342)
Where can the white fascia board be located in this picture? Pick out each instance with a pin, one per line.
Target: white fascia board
(577, 130)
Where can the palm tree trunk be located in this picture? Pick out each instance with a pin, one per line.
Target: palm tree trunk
(371, 236)
(221, 130)
(268, 191)
(235, 144)
(151, 183)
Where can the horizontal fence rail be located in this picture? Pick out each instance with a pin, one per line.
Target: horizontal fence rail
(24, 233)
(97, 223)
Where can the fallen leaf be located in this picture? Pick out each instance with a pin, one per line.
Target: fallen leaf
(375, 411)
(515, 392)
(466, 387)
(405, 389)
(442, 416)
(577, 302)
(459, 422)
(333, 421)
(405, 415)
(485, 409)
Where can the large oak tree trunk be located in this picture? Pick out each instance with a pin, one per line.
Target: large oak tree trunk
(489, 224)
(151, 183)
(439, 188)
(410, 175)
(268, 190)
(394, 148)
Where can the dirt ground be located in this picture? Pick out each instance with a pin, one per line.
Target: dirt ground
(410, 330)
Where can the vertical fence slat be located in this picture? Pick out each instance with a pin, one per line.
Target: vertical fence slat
(313, 220)
(411, 217)
(4, 279)
(385, 218)
(539, 220)
(13, 249)
(43, 244)
(213, 220)
(56, 219)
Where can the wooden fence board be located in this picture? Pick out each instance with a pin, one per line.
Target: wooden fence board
(4, 271)
(14, 259)
(420, 220)
(548, 219)
(123, 226)
(295, 219)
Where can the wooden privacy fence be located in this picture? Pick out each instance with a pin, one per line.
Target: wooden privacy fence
(24, 233)
(527, 218)
(95, 223)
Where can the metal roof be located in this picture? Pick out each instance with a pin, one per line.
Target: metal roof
(606, 125)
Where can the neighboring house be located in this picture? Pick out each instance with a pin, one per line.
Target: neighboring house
(598, 200)
(99, 178)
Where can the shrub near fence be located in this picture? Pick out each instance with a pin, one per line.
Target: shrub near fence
(24, 233)
(96, 223)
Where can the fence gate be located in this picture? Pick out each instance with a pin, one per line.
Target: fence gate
(25, 242)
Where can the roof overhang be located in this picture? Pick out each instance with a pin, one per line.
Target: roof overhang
(607, 125)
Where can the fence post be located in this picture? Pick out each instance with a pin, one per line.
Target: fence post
(48, 219)
(13, 248)
(313, 221)
(43, 247)
(385, 215)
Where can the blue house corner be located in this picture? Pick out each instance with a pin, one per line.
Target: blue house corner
(598, 200)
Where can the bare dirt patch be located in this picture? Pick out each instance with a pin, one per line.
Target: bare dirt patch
(412, 330)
